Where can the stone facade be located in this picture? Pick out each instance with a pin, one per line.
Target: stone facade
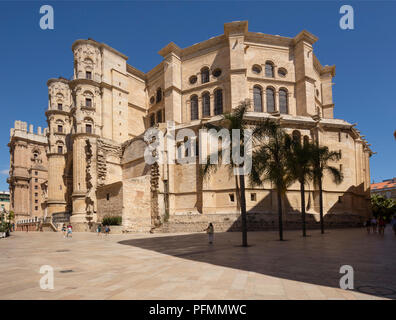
(95, 146)
(28, 171)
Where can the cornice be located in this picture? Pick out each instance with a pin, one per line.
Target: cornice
(55, 111)
(99, 45)
(270, 80)
(73, 83)
(60, 79)
(306, 36)
(84, 134)
(170, 48)
(235, 28)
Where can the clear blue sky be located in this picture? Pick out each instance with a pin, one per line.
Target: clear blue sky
(365, 57)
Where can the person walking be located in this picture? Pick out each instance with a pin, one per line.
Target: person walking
(107, 230)
(210, 231)
(64, 230)
(368, 225)
(393, 224)
(374, 224)
(99, 229)
(69, 231)
(381, 225)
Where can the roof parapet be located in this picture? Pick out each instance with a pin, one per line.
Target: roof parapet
(23, 127)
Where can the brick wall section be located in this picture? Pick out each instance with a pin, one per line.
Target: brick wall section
(137, 204)
(113, 206)
(256, 222)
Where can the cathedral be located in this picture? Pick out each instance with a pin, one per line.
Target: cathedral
(90, 164)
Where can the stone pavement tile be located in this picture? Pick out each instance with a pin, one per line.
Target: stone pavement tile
(313, 292)
(240, 280)
(332, 293)
(294, 290)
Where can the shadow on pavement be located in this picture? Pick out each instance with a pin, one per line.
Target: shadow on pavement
(316, 259)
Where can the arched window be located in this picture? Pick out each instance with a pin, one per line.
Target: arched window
(296, 136)
(194, 107)
(218, 101)
(206, 104)
(258, 99)
(159, 95)
(205, 75)
(269, 69)
(306, 139)
(270, 97)
(283, 103)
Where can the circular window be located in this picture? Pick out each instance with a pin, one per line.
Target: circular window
(193, 79)
(282, 72)
(152, 100)
(216, 72)
(256, 69)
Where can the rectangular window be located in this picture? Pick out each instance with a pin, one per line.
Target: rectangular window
(232, 197)
(108, 196)
(340, 152)
(341, 167)
(339, 136)
(88, 128)
(36, 194)
(35, 187)
(253, 197)
(88, 102)
(152, 120)
(60, 149)
(159, 116)
(36, 173)
(339, 199)
(88, 75)
(36, 208)
(35, 180)
(36, 201)
(60, 128)
(218, 102)
(60, 106)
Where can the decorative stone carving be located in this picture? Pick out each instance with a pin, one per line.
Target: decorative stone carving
(103, 150)
(154, 184)
(88, 178)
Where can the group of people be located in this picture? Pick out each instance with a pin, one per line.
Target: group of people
(106, 230)
(375, 225)
(67, 231)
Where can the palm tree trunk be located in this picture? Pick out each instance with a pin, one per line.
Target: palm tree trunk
(302, 189)
(243, 210)
(280, 214)
(321, 206)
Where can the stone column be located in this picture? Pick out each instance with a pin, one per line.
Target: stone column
(79, 182)
(56, 184)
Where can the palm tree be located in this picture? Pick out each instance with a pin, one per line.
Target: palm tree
(320, 163)
(299, 161)
(231, 121)
(269, 163)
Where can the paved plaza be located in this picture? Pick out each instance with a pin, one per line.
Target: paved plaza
(185, 266)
